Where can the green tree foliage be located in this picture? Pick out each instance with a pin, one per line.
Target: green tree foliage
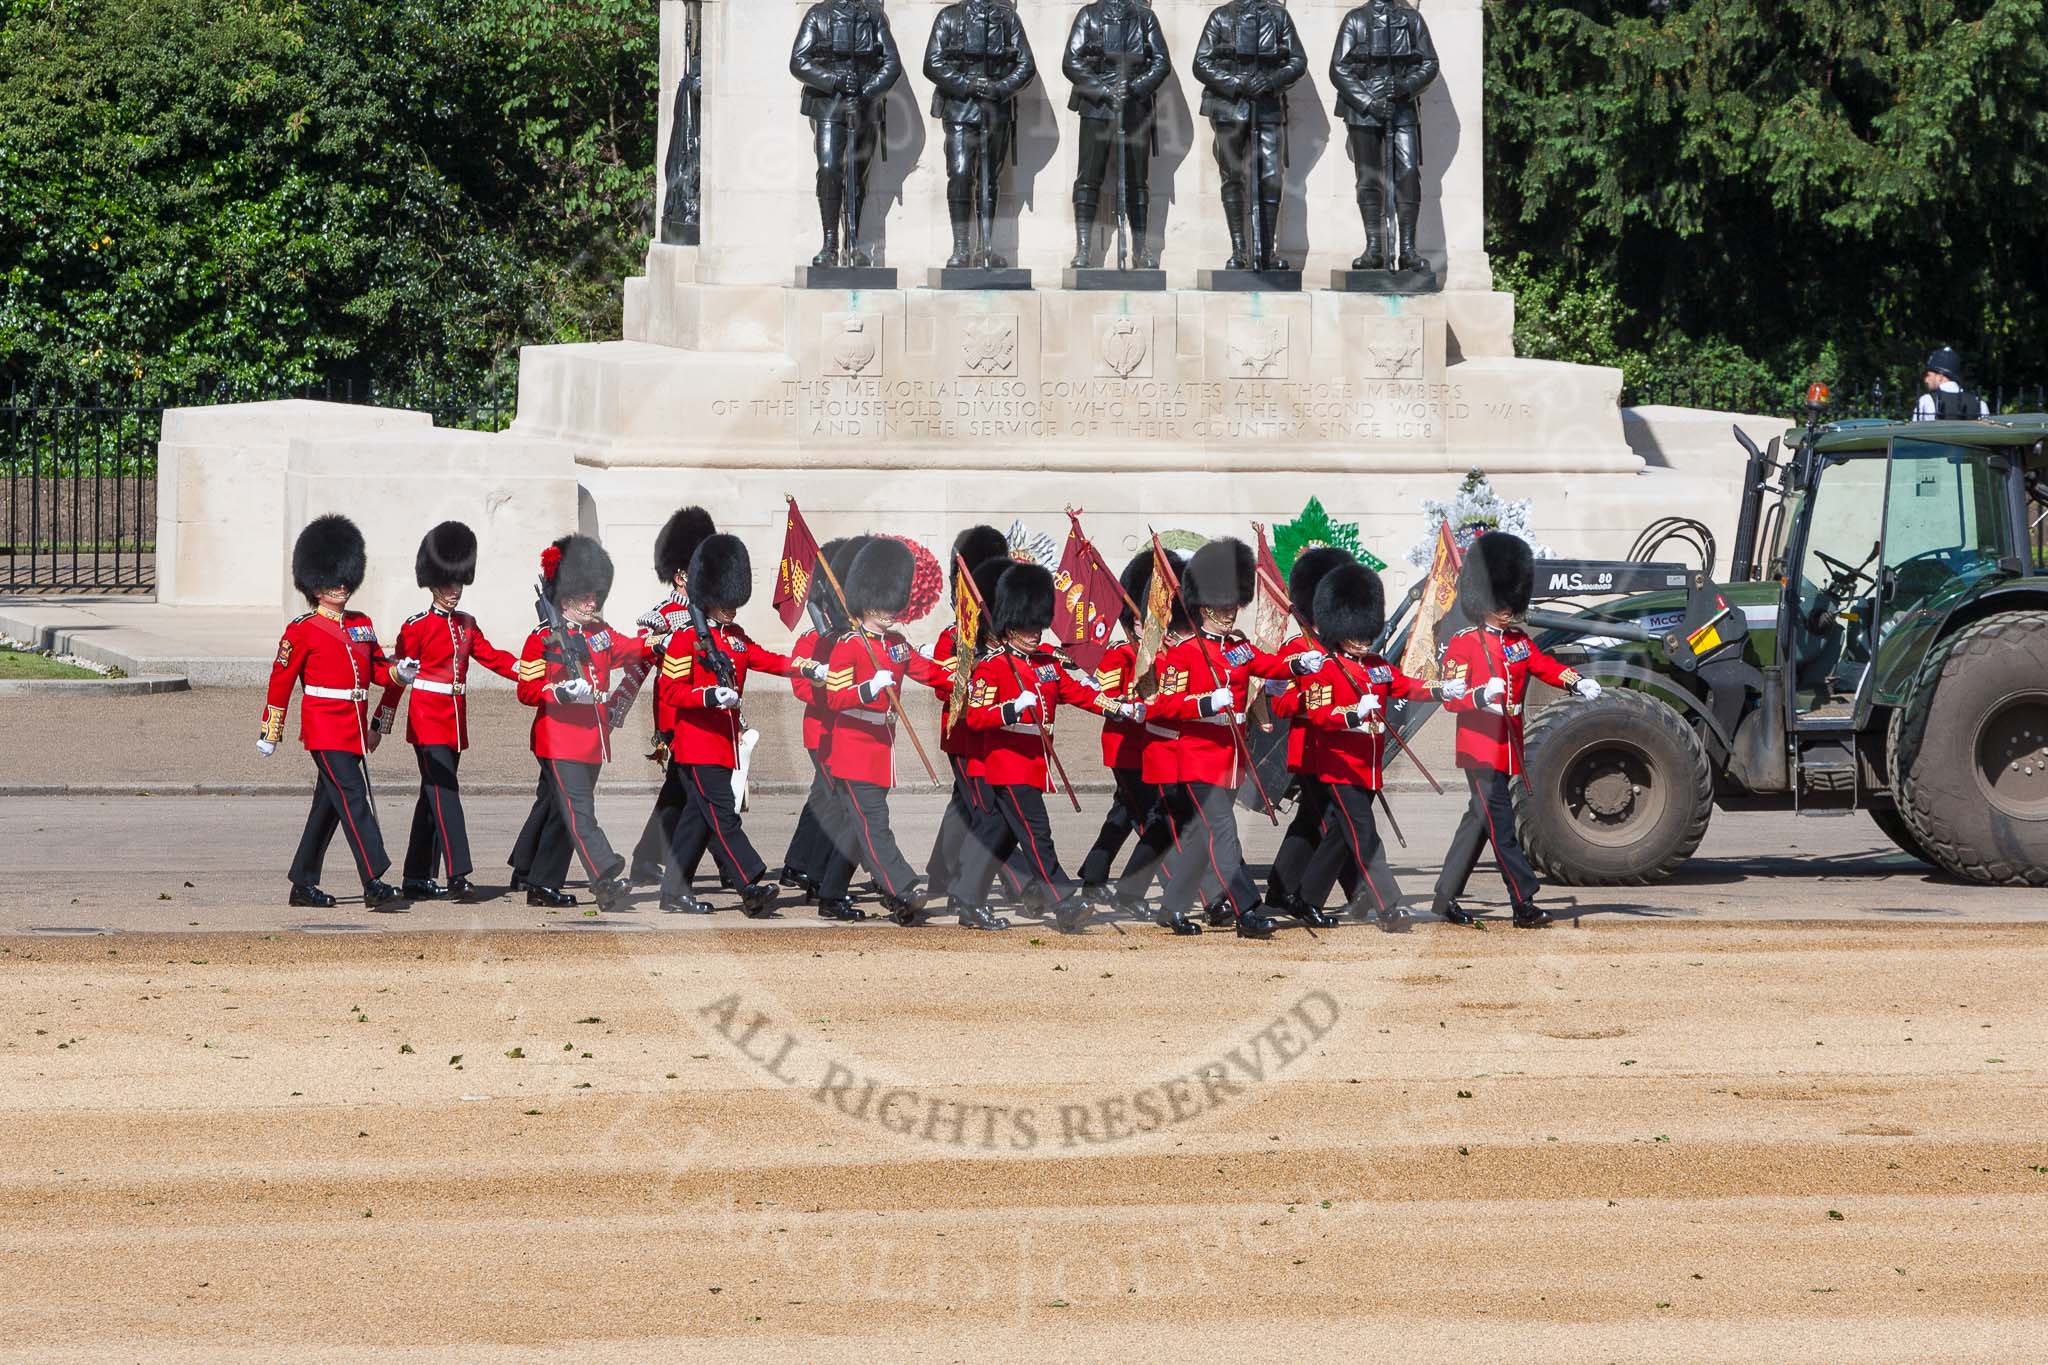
(1748, 194)
(273, 192)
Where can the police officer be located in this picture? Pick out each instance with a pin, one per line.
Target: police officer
(1383, 61)
(979, 58)
(1248, 57)
(1117, 60)
(1946, 399)
(846, 58)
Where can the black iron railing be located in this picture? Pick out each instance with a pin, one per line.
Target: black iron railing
(78, 472)
(1877, 398)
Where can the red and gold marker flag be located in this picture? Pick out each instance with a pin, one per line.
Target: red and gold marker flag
(966, 630)
(1270, 615)
(1158, 613)
(799, 563)
(1439, 595)
(1087, 599)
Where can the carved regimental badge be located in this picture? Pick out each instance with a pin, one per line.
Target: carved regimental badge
(853, 344)
(1393, 348)
(1123, 347)
(988, 346)
(1259, 348)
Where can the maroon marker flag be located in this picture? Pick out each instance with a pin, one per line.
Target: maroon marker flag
(1087, 599)
(799, 562)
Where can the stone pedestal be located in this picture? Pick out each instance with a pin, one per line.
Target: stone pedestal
(845, 277)
(1249, 281)
(1386, 281)
(1109, 280)
(969, 278)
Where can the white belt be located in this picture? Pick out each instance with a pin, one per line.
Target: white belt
(1020, 729)
(1218, 719)
(339, 693)
(1158, 732)
(870, 717)
(444, 689)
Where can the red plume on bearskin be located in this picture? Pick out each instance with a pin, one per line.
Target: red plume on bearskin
(550, 562)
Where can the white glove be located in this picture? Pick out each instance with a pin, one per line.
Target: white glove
(1587, 689)
(1494, 691)
(574, 692)
(653, 622)
(1219, 701)
(877, 685)
(724, 698)
(1024, 703)
(813, 670)
(1452, 689)
(1276, 686)
(1368, 704)
(405, 670)
(1132, 711)
(1310, 661)
(266, 747)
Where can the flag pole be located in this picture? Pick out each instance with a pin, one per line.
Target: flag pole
(895, 689)
(1037, 712)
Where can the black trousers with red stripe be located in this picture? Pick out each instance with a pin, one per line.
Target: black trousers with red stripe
(1208, 846)
(1489, 819)
(341, 800)
(857, 821)
(1304, 838)
(808, 846)
(568, 826)
(1351, 840)
(1013, 827)
(968, 806)
(710, 820)
(439, 832)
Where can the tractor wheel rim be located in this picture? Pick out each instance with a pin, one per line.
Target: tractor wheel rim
(2012, 757)
(1612, 793)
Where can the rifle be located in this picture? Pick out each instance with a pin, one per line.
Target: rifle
(575, 651)
(720, 661)
(1123, 151)
(851, 209)
(1243, 745)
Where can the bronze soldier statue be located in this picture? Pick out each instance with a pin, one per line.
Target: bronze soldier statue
(846, 58)
(1384, 60)
(1117, 60)
(1249, 55)
(979, 58)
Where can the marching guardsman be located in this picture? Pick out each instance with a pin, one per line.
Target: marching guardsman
(1015, 693)
(697, 704)
(1138, 806)
(1204, 687)
(1312, 795)
(685, 530)
(866, 665)
(803, 862)
(1348, 705)
(441, 642)
(978, 59)
(1489, 666)
(332, 654)
(1117, 60)
(565, 673)
(977, 545)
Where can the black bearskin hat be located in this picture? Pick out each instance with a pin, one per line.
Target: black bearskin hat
(575, 566)
(679, 540)
(1311, 567)
(1499, 575)
(838, 555)
(1023, 602)
(1222, 575)
(1350, 606)
(881, 577)
(721, 574)
(1137, 581)
(447, 556)
(329, 554)
(975, 544)
(987, 575)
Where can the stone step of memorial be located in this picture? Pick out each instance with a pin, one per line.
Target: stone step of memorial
(846, 277)
(1386, 281)
(1228, 281)
(971, 278)
(1109, 280)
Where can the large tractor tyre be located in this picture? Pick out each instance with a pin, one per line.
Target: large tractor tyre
(1619, 791)
(1968, 761)
(1896, 828)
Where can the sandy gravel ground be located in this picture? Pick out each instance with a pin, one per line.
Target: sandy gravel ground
(1635, 1140)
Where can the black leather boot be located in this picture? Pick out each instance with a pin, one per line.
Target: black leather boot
(417, 889)
(461, 890)
(757, 901)
(684, 904)
(1313, 916)
(548, 898)
(1531, 916)
(1406, 256)
(310, 898)
(1455, 913)
(382, 896)
(1084, 232)
(1233, 216)
(1178, 921)
(1253, 924)
(1269, 234)
(961, 212)
(841, 910)
(979, 917)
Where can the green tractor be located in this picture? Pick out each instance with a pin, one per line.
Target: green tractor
(1881, 645)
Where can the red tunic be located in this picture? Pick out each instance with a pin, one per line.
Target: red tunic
(675, 615)
(1123, 741)
(1204, 748)
(1013, 747)
(337, 659)
(935, 668)
(860, 742)
(575, 732)
(1291, 705)
(1487, 738)
(808, 646)
(445, 643)
(701, 732)
(1344, 749)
